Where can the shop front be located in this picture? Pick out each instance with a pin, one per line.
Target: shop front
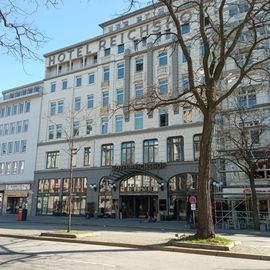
(1, 201)
(53, 196)
(17, 196)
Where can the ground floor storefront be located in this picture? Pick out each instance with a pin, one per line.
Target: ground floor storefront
(14, 197)
(156, 191)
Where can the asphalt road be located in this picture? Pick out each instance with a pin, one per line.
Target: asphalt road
(28, 254)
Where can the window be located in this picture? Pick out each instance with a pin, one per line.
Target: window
(12, 127)
(128, 153)
(4, 149)
(107, 154)
(136, 44)
(1, 130)
(87, 156)
(105, 99)
(184, 60)
(138, 120)
(118, 123)
(163, 59)
(60, 106)
(77, 104)
(89, 127)
(168, 34)
(139, 18)
(8, 111)
(121, 48)
(21, 167)
(10, 147)
(6, 129)
(185, 28)
(163, 87)
(51, 132)
(74, 157)
(119, 96)
(19, 126)
(8, 168)
(64, 84)
(91, 78)
(14, 109)
(107, 52)
(187, 114)
(138, 90)
(2, 112)
(175, 149)
(21, 105)
(185, 82)
(53, 87)
(76, 128)
(14, 167)
(25, 125)
(23, 146)
(104, 125)
(2, 168)
(53, 108)
(163, 117)
(78, 81)
(52, 159)
(106, 74)
(17, 147)
(139, 64)
(58, 131)
(144, 41)
(120, 71)
(196, 146)
(150, 151)
(27, 106)
(90, 102)
(247, 97)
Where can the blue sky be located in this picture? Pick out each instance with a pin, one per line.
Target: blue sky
(72, 22)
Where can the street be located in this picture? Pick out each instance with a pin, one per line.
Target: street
(30, 254)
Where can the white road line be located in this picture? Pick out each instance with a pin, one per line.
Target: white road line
(94, 263)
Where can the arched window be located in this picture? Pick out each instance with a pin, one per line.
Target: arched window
(183, 182)
(139, 183)
(105, 185)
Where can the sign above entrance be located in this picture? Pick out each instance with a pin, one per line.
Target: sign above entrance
(137, 166)
(192, 200)
(18, 187)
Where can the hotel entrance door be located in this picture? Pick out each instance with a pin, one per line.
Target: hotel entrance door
(139, 206)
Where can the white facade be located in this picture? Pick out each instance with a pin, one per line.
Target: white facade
(19, 128)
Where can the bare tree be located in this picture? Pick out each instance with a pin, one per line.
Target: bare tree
(244, 142)
(19, 37)
(69, 129)
(233, 36)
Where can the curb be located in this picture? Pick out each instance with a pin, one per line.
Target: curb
(143, 247)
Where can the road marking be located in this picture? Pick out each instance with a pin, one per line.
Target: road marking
(94, 263)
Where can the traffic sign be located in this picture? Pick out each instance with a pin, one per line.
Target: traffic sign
(193, 207)
(192, 200)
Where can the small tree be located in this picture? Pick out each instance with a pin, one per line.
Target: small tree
(245, 143)
(233, 36)
(70, 131)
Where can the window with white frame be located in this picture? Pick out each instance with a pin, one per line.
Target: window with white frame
(52, 159)
(10, 147)
(27, 106)
(58, 131)
(163, 117)
(119, 96)
(23, 145)
(107, 52)
(187, 114)
(90, 102)
(150, 151)
(87, 156)
(89, 126)
(139, 64)
(196, 146)
(119, 120)
(104, 125)
(53, 87)
(25, 125)
(53, 108)
(19, 126)
(138, 120)
(16, 146)
(14, 109)
(120, 71)
(21, 167)
(105, 99)
(77, 104)
(128, 153)
(60, 106)
(64, 84)
(175, 149)
(185, 28)
(107, 154)
(78, 80)
(121, 48)
(163, 86)
(106, 74)
(138, 90)
(247, 97)
(185, 82)
(4, 149)
(51, 132)
(76, 128)
(163, 58)
(91, 78)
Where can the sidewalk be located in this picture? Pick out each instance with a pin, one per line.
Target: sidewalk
(133, 233)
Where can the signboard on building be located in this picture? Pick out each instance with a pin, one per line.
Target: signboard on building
(18, 187)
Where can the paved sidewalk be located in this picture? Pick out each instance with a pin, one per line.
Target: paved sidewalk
(131, 232)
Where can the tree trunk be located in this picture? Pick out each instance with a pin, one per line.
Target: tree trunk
(205, 227)
(255, 210)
